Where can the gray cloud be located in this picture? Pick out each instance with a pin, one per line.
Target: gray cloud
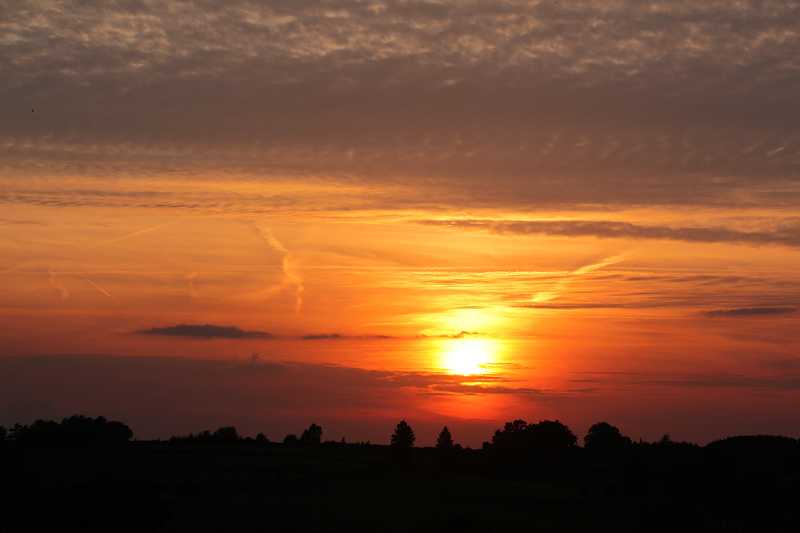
(786, 233)
(790, 382)
(750, 312)
(342, 336)
(205, 331)
(214, 331)
(158, 395)
(322, 336)
(509, 102)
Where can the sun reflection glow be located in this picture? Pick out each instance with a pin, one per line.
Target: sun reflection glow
(469, 357)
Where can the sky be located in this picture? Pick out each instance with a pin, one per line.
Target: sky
(275, 213)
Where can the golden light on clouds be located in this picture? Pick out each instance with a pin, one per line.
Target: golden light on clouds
(422, 191)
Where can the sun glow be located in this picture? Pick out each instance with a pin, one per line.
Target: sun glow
(469, 356)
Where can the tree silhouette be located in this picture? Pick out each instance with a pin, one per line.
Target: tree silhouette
(3, 433)
(262, 439)
(545, 436)
(445, 440)
(512, 436)
(605, 438)
(551, 436)
(311, 436)
(73, 431)
(290, 439)
(403, 436)
(226, 434)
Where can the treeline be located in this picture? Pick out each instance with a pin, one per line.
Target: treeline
(547, 435)
(526, 477)
(547, 438)
(75, 430)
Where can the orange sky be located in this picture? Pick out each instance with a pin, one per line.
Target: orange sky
(456, 214)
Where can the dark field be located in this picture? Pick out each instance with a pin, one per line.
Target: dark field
(749, 484)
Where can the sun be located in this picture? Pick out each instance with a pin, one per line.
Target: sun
(468, 357)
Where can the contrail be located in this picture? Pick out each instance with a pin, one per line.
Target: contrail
(561, 284)
(290, 275)
(608, 261)
(98, 288)
(132, 234)
(57, 285)
(190, 277)
(62, 290)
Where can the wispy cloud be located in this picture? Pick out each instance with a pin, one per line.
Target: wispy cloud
(99, 289)
(190, 278)
(291, 275)
(438, 96)
(561, 285)
(234, 332)
(786, 233)
(708, 380)
(132, 234)
(750, 312)
(56, 283)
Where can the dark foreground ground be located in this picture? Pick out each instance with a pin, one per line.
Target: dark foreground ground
(744, 486)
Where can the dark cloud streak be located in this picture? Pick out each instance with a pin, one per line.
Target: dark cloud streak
(214, 331)
(205, 331)
(785, 233)
(750, 312)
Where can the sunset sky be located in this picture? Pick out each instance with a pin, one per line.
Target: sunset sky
(274, 213)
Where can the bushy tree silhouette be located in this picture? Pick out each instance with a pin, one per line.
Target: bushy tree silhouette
(73, 431)
(605, 438)
(403, 436)
(226, 434)
(312, 436)
(445, 440)
(551, 435)
(262, 439)
(512, 436)
(544, 436)
(290, 440)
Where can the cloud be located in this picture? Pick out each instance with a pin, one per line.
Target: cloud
(459, 335)
(750, 312)
(209, 331)
(291, 275)
(785, 382)
(322, 336)
(342, 336)
(563, 282)
(56, 284)
(785, 233)
(512, 102)
(190, 285)
(99, 289)
(158, 396)
(571, 306)
(205, 331)
(474, 389)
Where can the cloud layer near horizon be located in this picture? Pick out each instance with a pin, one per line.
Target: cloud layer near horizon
(159, 396)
